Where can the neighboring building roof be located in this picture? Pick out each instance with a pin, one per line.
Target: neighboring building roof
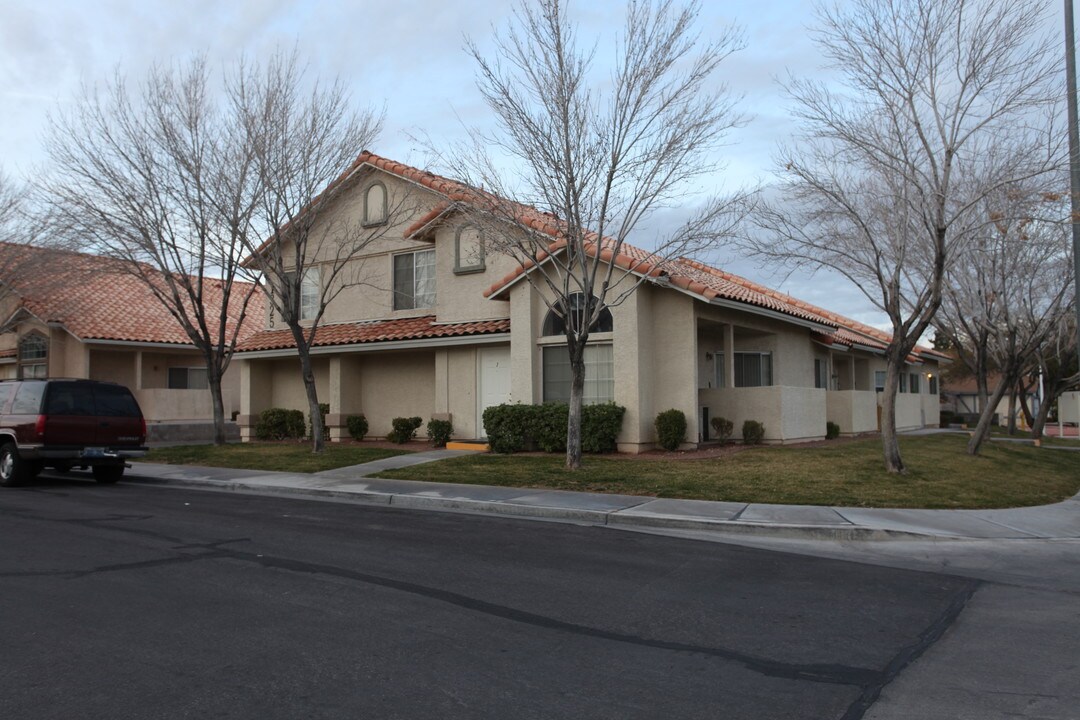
(370, 331)
(94, 298)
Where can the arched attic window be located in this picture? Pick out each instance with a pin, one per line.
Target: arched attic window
(375, 204)
(555, 323)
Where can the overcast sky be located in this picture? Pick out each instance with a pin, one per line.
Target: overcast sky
(405, 55)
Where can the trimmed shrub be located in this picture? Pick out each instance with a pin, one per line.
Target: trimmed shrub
(671, 429)
(753, 432)
(439, 431)
(722, 427)
(324, 408)
(600, 425)
(513, 428)
(506, 426)
(832, 431)
(280, 424)
(404, 429)
(357, 426)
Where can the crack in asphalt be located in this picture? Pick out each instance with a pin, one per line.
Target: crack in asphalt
(872, 691)
(820, 673)
(871, 681)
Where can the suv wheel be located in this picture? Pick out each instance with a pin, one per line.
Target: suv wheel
(12, 467)
(108, 474)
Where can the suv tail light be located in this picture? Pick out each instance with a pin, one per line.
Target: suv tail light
(39, 426)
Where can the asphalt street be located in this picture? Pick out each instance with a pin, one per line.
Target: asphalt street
(138, 601)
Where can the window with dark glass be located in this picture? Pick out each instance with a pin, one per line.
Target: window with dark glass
(188, 378)
(821, 373)
(753, 369)
(555, 322)
(913, 384)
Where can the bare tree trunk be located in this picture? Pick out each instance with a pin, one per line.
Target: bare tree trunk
(214, 382)
(1012, 409)
(982, 429)
(577, 391)
(317, 442)
(889, 439)
(1038, 424)
(982, 390)
(1024, 408)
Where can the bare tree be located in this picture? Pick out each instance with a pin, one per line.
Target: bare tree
(1008, 292)
(593, 155)
(161, 177)
(937, 105)
(1057, 368)
(303, 134)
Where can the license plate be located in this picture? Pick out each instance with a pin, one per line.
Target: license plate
(93, 452)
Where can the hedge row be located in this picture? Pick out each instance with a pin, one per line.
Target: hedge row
(513, 428)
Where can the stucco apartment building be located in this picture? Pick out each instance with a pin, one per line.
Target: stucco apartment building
(445, 329)
(77, 315)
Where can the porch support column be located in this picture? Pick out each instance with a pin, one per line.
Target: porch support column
(524, 355)
(138, 370)
(729, 355)
(344, 395)
(256, 394)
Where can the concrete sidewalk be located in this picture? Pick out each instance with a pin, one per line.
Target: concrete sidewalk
(1061, 520)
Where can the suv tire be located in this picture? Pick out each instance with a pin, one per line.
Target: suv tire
(108, 474)
(12, 466)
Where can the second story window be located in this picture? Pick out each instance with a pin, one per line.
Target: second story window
(414, 280)
(33, 356)
(309, 294)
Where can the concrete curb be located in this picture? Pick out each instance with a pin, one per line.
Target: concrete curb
(611, 518)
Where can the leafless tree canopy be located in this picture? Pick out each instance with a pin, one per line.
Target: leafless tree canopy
(160, 176)
(303, 133)
(937, 106)
(1009, 293)
(597, 154)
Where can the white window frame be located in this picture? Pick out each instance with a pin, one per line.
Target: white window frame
(310, 293)
(411, 302)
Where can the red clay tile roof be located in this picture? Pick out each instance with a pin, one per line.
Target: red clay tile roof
(690, 275)
(376, 331)
(95, 299)
(5, 354)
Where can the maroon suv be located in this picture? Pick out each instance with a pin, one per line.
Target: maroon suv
(68, 423)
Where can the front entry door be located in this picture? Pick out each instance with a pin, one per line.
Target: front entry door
(493, 382)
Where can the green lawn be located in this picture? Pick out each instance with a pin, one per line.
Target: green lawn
(850, 474)
(288, 457)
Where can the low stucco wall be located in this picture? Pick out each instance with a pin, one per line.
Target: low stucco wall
(909, 411)
(1069, 407)
(165, 404)
(855, 411)
(789, 413)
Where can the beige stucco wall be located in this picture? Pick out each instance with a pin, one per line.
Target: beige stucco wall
(790, 414)
(1069, 407)
(855, 411)
(366, 282)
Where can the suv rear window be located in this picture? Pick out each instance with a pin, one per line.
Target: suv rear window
(28, 399)
(115, 401)
(69, 399)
